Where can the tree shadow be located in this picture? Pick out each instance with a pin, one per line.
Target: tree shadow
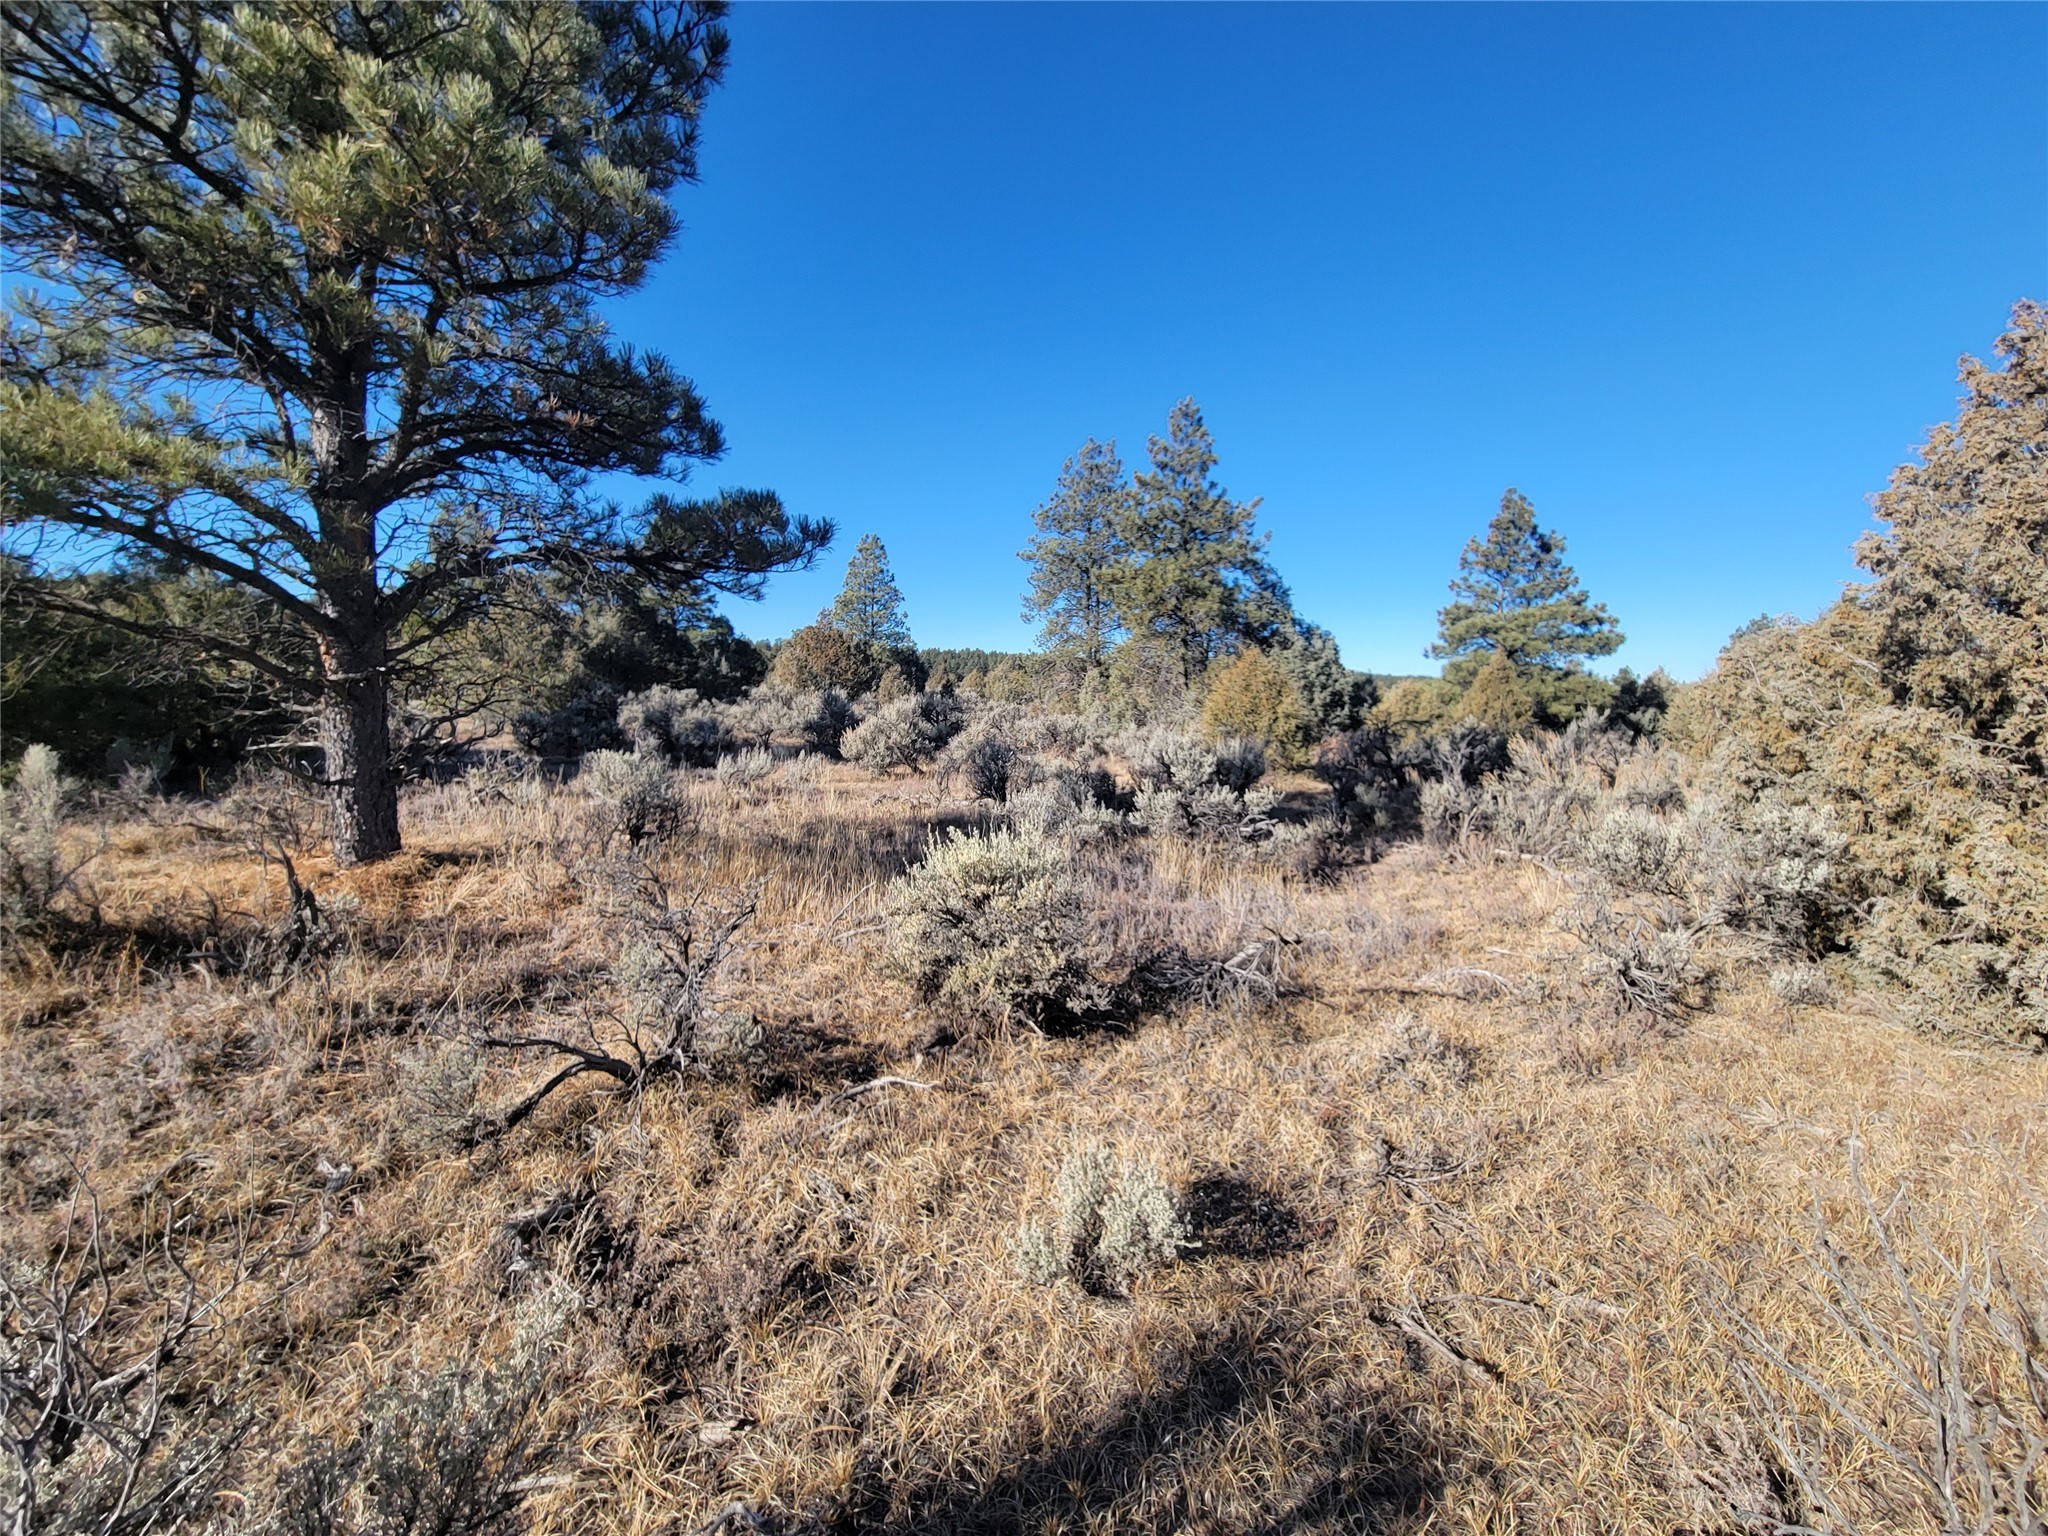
(1364, 1460)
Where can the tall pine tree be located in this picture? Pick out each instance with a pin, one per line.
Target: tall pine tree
(869, 607)
(1076, 544)
(1193, 572)
(308, 298)
(1517, 598)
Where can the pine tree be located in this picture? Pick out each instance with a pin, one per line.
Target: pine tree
(1518, 598)
(1193, 571)
(869, 607)
(1076, 544)
(309, 300)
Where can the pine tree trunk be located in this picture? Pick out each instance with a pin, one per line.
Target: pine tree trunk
(355, 741)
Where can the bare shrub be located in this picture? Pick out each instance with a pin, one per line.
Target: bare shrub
(35, 871)
(96, 1436)
(443, 1454)
(675, 944)
(275, 816)
(437, 1085)
(995, 924)
(1113, 1219)
(1418, 1056)
(1944, 1416)
(1643, 961)
(744, 770)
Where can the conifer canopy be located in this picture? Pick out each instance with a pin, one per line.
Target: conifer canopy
(307, 297)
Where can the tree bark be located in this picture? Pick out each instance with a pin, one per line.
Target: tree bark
(355, 743)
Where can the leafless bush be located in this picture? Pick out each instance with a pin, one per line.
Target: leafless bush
(35, 872)
(1643, 961)
(1419, 1056)
(1113, 1220)
(274, 816)
(96, 1437)
(445, 1454)
(675, 943)
(745, 770)
(1946, 1421)
(437, 1093)
(995, 924)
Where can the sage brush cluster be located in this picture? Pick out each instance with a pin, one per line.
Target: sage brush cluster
(1113, 1219)
(447, 1453)
(1193, 789)
(996, 925)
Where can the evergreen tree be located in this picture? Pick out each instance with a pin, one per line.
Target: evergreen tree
(1076, 544)
(309, 300)
(1335, 698)
(869, 607)
(1516, 597)
(1193, 571)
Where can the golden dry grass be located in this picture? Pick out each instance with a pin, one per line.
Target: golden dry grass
(1434, 1295)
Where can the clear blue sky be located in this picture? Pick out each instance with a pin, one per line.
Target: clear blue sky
(1692, 278)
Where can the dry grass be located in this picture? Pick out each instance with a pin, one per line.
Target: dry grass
(1473, 1286)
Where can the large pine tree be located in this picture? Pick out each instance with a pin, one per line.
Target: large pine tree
(1193, 572)
(1076, 545)
(1517, 598)
(307, 298)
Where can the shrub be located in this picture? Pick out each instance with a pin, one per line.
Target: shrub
(994, 924)
(1802, 984)
(1252, 698)
(446, 1454)
(587, 723)
(744, 770)
(1068, 802)
(989, 763)
(906, 732)
(631, 797)
(824, 656)
(1916, 711)
(675, 725)
(35, 872)
(1113, 1220)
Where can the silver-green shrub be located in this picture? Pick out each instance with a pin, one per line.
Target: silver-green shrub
(994, 924)
(35, 872)
(1113, 1219)
(632, 797)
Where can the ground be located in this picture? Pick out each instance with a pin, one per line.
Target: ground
(1468, 1250)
